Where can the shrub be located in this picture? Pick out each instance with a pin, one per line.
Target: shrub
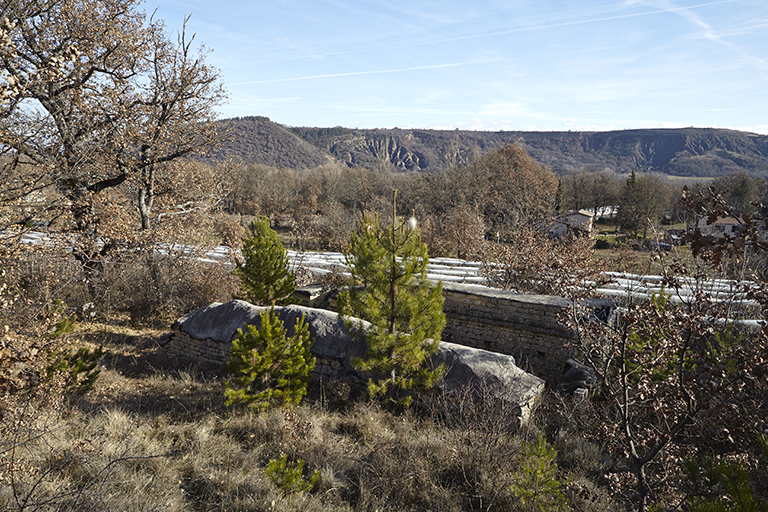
(268, 367)
(728, 486)
(34, 281)
(229, 231)
(290, 477)
(79, 367)
(152, 287)
(534, 262)
(266, 278)
(47, 353)
(537, 483)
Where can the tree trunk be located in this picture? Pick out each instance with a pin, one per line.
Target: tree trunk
(144, 209)
(642, 487)
(146, 195)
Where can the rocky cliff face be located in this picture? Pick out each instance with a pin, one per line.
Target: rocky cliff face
(695, 152)
(380, 150)
(688, 151)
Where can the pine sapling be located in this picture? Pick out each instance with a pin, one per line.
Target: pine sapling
(264, 270)
(268, 367)
(390, 289)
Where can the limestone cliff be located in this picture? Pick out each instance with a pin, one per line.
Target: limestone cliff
(695, 152)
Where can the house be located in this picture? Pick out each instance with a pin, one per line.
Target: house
(721, 227)
(578, 223)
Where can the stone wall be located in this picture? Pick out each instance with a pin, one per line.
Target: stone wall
(205, 335)
(523, 326)
(180, 345)
(520, 325)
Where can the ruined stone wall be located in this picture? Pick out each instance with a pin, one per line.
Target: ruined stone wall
(180, 345)
(523, 326)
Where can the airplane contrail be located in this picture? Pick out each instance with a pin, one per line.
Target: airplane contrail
(688, 14)
(351, 73)
(481, 35)
(582, 22)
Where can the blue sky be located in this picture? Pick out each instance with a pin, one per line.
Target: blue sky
(488, 65)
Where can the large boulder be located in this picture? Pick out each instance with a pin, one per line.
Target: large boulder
(335, 347)
(217, 321)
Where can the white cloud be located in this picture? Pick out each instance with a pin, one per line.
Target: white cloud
(762, 129)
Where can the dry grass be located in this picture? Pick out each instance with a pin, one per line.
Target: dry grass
(154, 435)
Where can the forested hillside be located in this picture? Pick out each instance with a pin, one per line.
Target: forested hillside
(258, 140)
(694, 152)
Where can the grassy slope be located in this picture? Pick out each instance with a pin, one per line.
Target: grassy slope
(155, 435)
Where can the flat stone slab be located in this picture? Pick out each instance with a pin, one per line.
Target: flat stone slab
(220, 322)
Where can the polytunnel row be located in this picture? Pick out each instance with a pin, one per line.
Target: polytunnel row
(446, 269)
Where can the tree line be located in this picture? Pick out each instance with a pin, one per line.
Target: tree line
(496, 194)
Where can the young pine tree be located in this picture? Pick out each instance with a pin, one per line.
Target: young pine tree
(390, 289)
(266, 278)
(268, 367)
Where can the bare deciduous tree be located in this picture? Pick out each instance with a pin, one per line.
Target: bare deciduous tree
(680, 375)
(101, 97)
(517, 190)
(589, 189)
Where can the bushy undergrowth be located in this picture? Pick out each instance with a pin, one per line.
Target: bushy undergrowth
(154, 288)
(45, 292)
(147, 286)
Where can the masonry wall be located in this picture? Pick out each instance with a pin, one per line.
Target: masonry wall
(181, 345)
(523, 326)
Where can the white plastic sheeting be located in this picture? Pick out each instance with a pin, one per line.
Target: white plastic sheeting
(450, 269)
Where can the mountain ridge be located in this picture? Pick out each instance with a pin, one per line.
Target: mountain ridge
(689, 152)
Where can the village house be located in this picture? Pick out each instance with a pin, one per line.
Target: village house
(721, 227)
(578, 223)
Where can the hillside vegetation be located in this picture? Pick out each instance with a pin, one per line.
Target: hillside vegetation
(258, 140)
(691, 152)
